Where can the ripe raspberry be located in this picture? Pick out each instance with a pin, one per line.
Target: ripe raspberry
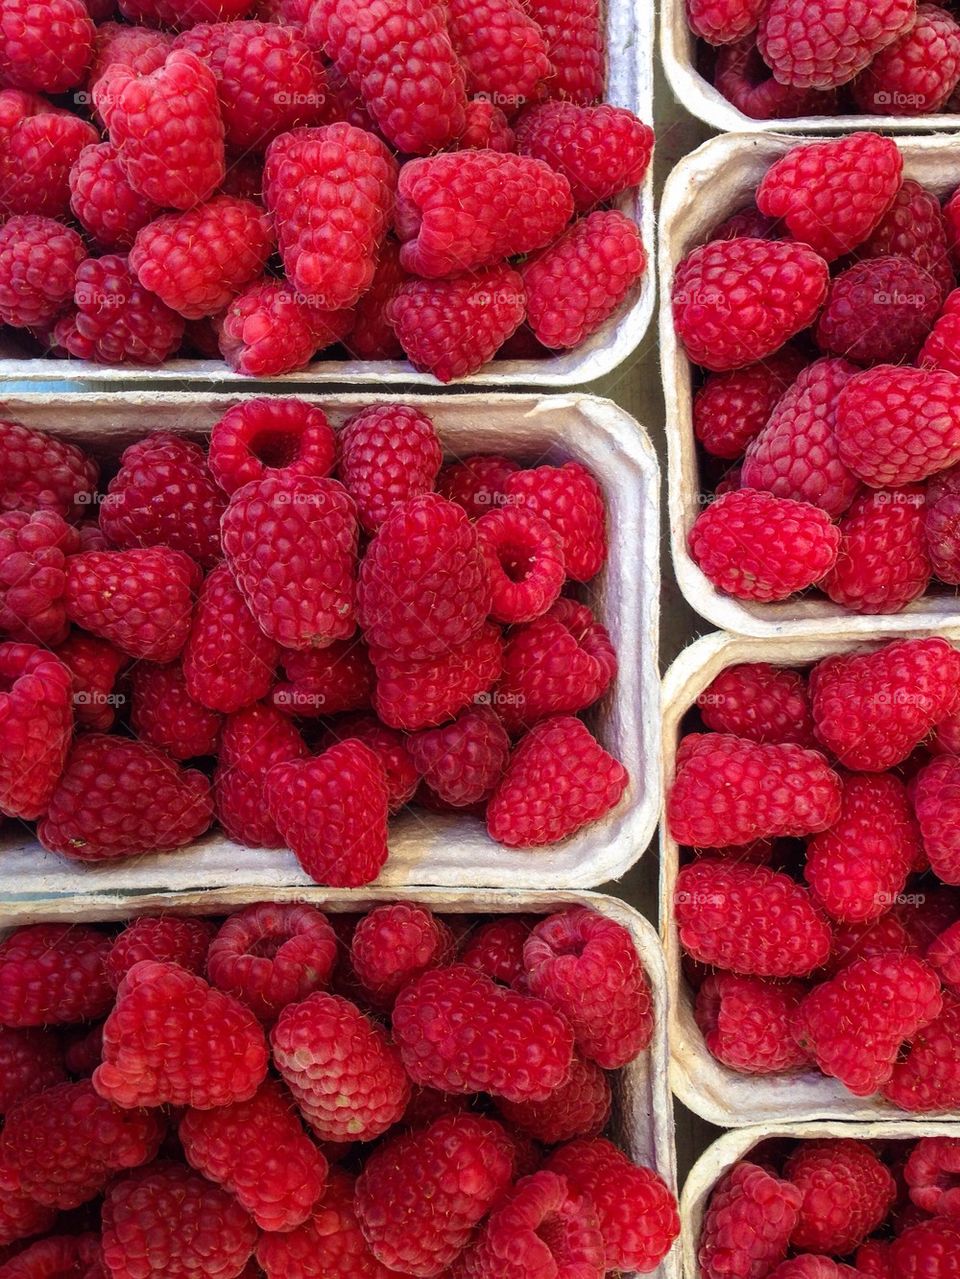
(174, 108)
(270, 436)
(53, 974)
(826, 43)
(164, 715)
(424, 694)
(917, 73)
(325, 681)
(42, 473)
(143, 49)
(30, 1061)
(847, 1193)
(749, 920)
(525, 563)
(558, 779)
(33, 556)
(575, 46)
(502, 51)
(36, 161)
(162, 938)
(874, 1260)
(270, 330)
(69, 1256)
(570, 500)
(116, 320)
(487, 128)
(36, 718)
(940, 524)
(420, 1196)
(389, 746)
(20, 1218)
(929, 1248)
(742, 76)
(883, 561)
(944, 955)
(394, 944)
(104, 202)
(913, 227)
(45, 47)
(258, 1152)
(344, 1073)
(936, 797)
(38, 267)
(166, 1220)
(228, 662)
(879, 311)
(930, 1174)
(372, 336)
(496, 948)
(926, 1078)
(940, 350)
(403, 63)
(732, 408)
(760, 702)
(388, 453)
(746, 1023)
(450, 328)
(476, 482)
(872, 709)
(252, 741)
(580, 1107)
(748, 1223)
(332, 811)
(855, 1024)
(723, 21)
(463, 761)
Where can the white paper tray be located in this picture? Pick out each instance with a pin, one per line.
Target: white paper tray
(710, 183)
(427, 848)
(711, 1090)
(642, 1121)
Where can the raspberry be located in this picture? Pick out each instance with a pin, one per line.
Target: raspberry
(330, 191)
(325, 681)
(940, 525)
(291, 543)
(258, 1151)
(31, 1061)
(873, 1260)
(42, 473)
(747, 1224)
(394, 944)
(424, 694)
(36, 718)
(732, 408)
(450, 328)
(402, 61)
(929, 1248)
(570, 500)
(463, 761)
(926, 1078)
(496, 948)
(270, 436)
(38, 266)
(163, 938)
(174, 108)
(332, 812)
(120, 798)
(913, 227)
(104, 202)
(560, 663)
(525, 564)
(164, 715)
(744, 78)
(487, 128)
(723, 21)
(826, 43)
(502, 51)
(558, 779)
(847, 1193)
(918, 71)
(252, 741)
(140, 600)
(268, 79)
(930, 1174)
(270, 330)
(749, 920)
(166, 1220)
(879, 311)
(476, 482)
(936, 797)
(70, 1256)
(344, 1073)
(580, 1107)
(33, 557)
(855, 1024)
(372, 336)
(883, 562)
(36, 162)
(183, 13)
(20, 1218)
(575, 47)
(420, 1196)
(228, 662)
(760, 702)
(45, 47)
(53, 974)
(872, 709)
(575, 285)
(746, 1023)
(940, 349)
(944, 955)
(163, 495)
(390, 747)
(116, 320)
(140, 48)
(388, 453)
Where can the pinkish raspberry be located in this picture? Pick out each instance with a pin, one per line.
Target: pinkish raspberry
(913, 227)
(39, 259)
(116, 320)
(31, 1061)
(487, 128)
(731, 409)
(228, 662)
(502, 50)
(33, 556)
(883, 562)
(36, 161)
(826, 43)
(926, 1078)
(477, 482)
(164, 715)
(389, 746)
(763, 703)
(747, 1224)
(936, 798)
(847, 1193)
(163, 938)
(270, 330)
(917, 73)
(412, 694)
(45, 47)
(602, 151)
(746, 1023)
(496, 948)
(267, 435)
(463, 761)
(525, 563)
(940, 350)
(574, 31)
(723, 21)
(104, 202)
(580, 1107)
(570, 500)
(746, 81)
(42, 472)
(252, 741)
(388, 453)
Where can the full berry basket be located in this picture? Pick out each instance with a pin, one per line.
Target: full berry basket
(426, 848)
(723, 175)
(728, 1150)
(717, 1093)
(642, 1120)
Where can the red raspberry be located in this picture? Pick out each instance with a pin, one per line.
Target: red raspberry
(53, 974)
(140, 600)
(927, 1249)
(732, 408)
(575, 285)
(36, 718)
(140, 48)
(402, 61)
(344, 1073)
(37, 159)
(874, 1260)
(941, 532)
(878, 311)
(940, 350)
(372, 336)
(332, 812)
(164, 715)
(502, 51)
(270, 330)
(270, 436)
(269, 79)
(847, 1193)
(69, 1256)
(930, 1174)
(390, 747)
(291, 543)
(723, 21)
(926, 1078)
(325, 681)
(571, 501)
(917, 73)
(525, 563)
(228, 662)
(45, 47)
(166, 1220)
(476, 482)
(558, 779)
(424, 694)
(749, 920)
(394, 944)
(460, 1032)
(936, 799)
(120, 798)
(42, 473)
(487, 128)
(450, 328)
(746, 1023)
(826, 43)
(162, 938)
(744, 78)
(104, 202)
(602, 151)
(560, 663)
(575, 46)
(33, 557)
(116, 320)
(388, 453)
(872, 709)
(883, 562)
(31, 1061)
(944, 955)
(463, 761)
(252, 741)
(913, 227)
(586, 966)
(496, 948)
(580, 1107)
(747, 1224)
(147, 116)
(310, 176)
(21, 1218)
(760, 702)
(258, 1152)
(38, 267)
(420, 1196)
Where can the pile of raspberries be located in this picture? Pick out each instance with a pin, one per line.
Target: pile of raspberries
(296, 655)
(288, 1095)
(260, 182)
(819, 903)
(826, 319)
(776, 59)
(841, 1208)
